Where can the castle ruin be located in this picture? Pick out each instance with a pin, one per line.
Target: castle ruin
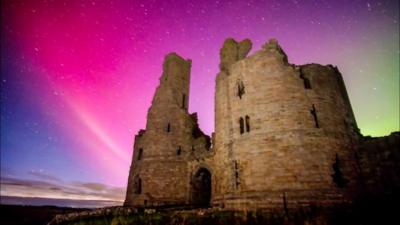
(285, 137)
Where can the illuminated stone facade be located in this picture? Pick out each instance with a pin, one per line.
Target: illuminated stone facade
(285, 137)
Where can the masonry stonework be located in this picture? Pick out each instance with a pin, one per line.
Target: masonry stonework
(171, 139)
(285, 137)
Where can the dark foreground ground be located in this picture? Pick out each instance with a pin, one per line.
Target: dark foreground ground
(30, 215)
(368, 211)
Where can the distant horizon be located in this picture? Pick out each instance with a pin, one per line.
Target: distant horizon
(58, 189)
(58, 202)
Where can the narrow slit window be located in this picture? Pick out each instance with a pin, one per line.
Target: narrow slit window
(237, 181)
(183, 101)
(140, 154)
(137, 185)
(247, 124)
(338, 176)
(179, 150)
(313, 112)
(241, 123)
(240, 87)
(169, 127)
(285, 204)
(306, 81)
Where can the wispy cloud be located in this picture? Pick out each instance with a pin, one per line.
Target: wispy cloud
(42, 175)
(91, 186)
(55, 188)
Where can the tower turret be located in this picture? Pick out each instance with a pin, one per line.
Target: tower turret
(284, 134)
(159, 173)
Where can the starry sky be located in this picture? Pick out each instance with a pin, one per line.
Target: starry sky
(77, 77)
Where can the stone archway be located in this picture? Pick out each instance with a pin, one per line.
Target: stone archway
(201, 187)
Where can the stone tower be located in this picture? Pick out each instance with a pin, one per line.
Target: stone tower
(285, 137)
(284, 134)
(160, 173)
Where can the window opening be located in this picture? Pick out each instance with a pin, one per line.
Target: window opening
(241, 123)
(240, 87)
(140, 154)
(247, 123)
(137, 185)
(313, 112)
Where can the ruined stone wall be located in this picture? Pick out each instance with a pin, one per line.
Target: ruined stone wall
(380, 164)
(285, 137)
(278, 142)
(159, 172)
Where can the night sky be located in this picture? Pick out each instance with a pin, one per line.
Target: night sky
(77, 77)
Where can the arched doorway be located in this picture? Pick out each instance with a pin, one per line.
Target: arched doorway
(201, 188)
